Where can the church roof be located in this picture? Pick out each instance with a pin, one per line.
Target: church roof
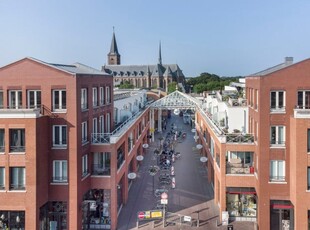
(168, 72)
(129, 70)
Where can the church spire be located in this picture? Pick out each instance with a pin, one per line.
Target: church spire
(159, 57)
(113, 49)
(114, 58)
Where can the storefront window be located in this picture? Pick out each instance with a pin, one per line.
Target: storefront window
(12, 220)
(281, 215)
(96, 209)
(241, 205)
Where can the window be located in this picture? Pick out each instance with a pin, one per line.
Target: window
(83, 98)
(108, 123)
(277, 100)
(101, 94)
(59, 100)
(115, 115)
(101, 164)
(1, 140)
(95, 125)
(303, 101)
(95, 96)
(84, 165)
(277, 170)
(245, 157)
(84, 132)
(308, 141)
(17, 178)
(308, 178)
(2, 178)
(60, 173)
(15, 99)
(1, 99)
(60, 135)
(108, 96)
(101, 124)
(277, 135)
(17, 140)
(33, 99)
(212, 147)
(130, 142)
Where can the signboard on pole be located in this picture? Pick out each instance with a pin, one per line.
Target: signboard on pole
(187, 218)
(164, 201)
(150, 215)
(225, 218)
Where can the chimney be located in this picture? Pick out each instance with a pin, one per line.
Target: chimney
(288, 60)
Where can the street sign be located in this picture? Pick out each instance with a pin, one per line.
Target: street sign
(156, 214)
(164, 195)
(164, 201)
(187, 218)
(148, 215)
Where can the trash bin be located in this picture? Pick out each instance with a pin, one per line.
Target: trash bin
(230, 227)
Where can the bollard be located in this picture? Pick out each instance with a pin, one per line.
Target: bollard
(172, 170)
(173, 182)
(173, 157)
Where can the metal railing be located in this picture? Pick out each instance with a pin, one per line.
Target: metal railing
(17, 148)
(17, 187)
(239, 170)
(99, 169)
(277, 178)
(239, 138)
(62, 179)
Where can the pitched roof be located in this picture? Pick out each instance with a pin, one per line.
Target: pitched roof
(168, 72)
(287, 62)
(78, 68)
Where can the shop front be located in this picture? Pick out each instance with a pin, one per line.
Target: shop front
(96, 209)
(281, 215)
(241, 204)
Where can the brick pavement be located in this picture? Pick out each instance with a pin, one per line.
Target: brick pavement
(192, 193)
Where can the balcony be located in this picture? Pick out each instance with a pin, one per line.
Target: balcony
(20, 112)
(239, 138)
(235, 166)
(301, 112)
(100, 170)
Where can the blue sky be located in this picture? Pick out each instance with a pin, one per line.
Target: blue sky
(224, 37)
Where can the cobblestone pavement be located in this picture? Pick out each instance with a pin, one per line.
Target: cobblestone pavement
(192, 193)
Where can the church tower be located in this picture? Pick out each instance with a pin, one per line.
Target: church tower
(114, 58)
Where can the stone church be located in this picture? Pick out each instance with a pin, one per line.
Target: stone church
(142, 76)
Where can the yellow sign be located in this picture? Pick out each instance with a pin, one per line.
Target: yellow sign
(152, 130)
(156, 214)
(147, 214)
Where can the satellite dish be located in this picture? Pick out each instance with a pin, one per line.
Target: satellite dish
(132, 175)
(199, 146)
(203, 159)
(176, 111)
(139, 158)
(145, 146)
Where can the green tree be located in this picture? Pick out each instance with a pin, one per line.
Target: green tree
(172, 87)
(126, 85)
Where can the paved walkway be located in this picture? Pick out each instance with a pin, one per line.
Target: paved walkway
(192, 193)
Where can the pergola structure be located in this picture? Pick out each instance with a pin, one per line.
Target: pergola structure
(175, 100)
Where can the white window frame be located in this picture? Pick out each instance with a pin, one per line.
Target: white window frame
(95, 96)
(61, 144)
(304, 105)
(23, 179)
(84, 165)
(18, 101)
(36, 105)
(84, 132)
(62, 108)
(95, 125)
(63, 175)
(278, 142)
(276, 177)
(84, 99)
(101, 96)
(2, 176)
(108, 121)
(277, 108)
(108, 96)
(101, 124)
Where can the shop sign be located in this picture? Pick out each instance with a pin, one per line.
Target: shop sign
(187, 218)
(149, 215)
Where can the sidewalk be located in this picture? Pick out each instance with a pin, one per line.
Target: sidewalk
(192, 193)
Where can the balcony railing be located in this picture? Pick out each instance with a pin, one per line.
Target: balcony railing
(17, 148)
(302, 112)
(277, 178)
(17, 187)
(98, 169)
(239, 138)
(230, 169)
(62, 179)
(277, 142)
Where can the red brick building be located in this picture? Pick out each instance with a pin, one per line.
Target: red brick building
(58, 166)
(264, 176)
